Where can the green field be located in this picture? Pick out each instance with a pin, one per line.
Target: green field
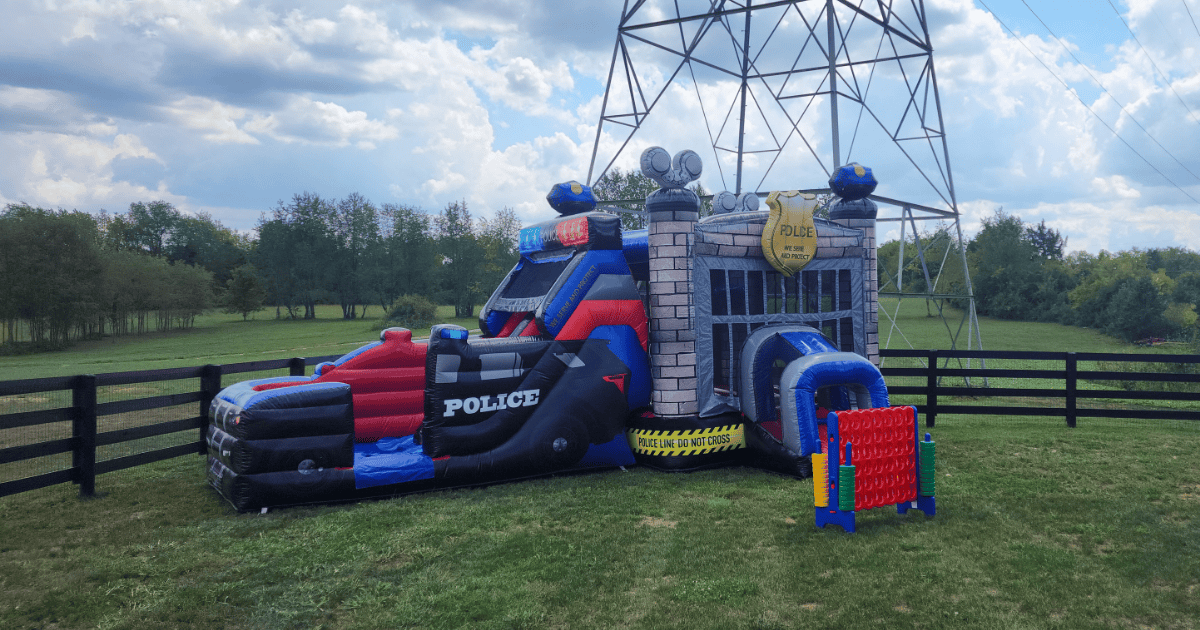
(915, 328)
(217, 338)
(1038, 526)
(221, 338)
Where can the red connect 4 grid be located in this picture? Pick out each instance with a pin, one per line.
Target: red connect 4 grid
(883, 452)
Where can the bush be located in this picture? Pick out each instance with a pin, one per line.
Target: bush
(413, 312)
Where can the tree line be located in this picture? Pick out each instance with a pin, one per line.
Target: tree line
(71, 275)
(352, 253)
(1020, 271)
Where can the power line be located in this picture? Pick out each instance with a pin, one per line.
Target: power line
(1189, 12)
(1085, 105)
(1110, 95)
(1151, 59)
(1174, 43)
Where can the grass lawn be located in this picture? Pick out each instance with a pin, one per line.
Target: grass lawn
(221, 338)
(1038, 526)
(217, 338)
(915, 328)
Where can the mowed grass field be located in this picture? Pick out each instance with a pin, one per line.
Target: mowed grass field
(1038, 526)
(222, 338)
(217, 338)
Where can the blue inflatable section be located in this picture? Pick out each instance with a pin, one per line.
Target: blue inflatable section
(390, 461)
(571, 198)
(243, 394)
(355, 353)
(636, 244)
(595, 263)
(614, 453)
(495, 320)
(812, 364)
(762, 349)
(808, 342)
(624, 343)
(804, 377)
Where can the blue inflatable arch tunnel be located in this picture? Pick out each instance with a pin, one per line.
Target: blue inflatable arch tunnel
(813, 368)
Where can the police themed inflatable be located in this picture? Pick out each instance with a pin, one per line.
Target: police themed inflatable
(560, 379)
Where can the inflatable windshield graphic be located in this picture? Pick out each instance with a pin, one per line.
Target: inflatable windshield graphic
(677, 347)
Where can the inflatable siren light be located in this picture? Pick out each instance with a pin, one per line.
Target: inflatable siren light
(729, 202)
(571, 198)
(853, 181)
(667, 173)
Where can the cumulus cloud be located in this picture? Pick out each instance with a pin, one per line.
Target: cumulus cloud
(220, 121)
(75, 171)
(309, 121)
(494, 101)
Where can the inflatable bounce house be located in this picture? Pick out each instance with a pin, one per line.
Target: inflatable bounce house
(737, 339)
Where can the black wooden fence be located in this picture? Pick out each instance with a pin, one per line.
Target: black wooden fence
(939, 382)
(1070, 385)
(85, 413)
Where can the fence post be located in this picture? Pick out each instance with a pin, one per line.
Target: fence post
(931, 387)
(296, 366)
(1072, 381)
(83, 429)
(210, 386)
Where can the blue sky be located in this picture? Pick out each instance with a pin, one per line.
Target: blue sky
(228, 107)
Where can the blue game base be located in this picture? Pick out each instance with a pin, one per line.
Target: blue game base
(833, 516)
(928, 505)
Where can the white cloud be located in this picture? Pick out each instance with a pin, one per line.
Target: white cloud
(76, 171)
(310, 31)
(219, 120)
(420, 117)
(308, 121)
(1116, 186)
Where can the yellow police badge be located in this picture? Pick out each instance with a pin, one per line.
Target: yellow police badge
(789, 239)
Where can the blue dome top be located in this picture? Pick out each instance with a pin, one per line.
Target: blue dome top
(571, 198)
(853, 181)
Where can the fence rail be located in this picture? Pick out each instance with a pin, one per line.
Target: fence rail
(85, 413)
(939, 382)
(971, 376)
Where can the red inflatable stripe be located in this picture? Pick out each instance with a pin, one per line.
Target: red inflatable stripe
(397, 350)
(592, 313)
(382, 403)
(265, 386)
(377, 380)
(511, 324)
(530, 330)
(374, 428)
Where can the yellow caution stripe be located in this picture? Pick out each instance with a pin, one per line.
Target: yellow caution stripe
(685, 443)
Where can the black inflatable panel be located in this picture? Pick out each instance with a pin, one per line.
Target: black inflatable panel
(587, 406)
(268, 424)
(250, 492)
(286, 454)
(478, 393)
(325, 409)
(764, 451)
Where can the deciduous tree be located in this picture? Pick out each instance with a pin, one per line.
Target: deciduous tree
(244, 293)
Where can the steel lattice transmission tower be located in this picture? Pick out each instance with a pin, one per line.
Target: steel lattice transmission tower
(784, 92)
